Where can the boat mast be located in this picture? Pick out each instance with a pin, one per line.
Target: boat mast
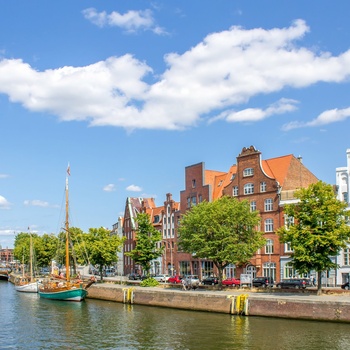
(67, 234)
(31, 258)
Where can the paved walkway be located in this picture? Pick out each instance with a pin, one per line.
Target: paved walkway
(329, 293)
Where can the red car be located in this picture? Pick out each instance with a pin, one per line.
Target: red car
(233, 282)
(174, 279)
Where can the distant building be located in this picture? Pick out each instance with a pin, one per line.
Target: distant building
(118, 230)
(342, 186)
(133, 206)
(6, 255)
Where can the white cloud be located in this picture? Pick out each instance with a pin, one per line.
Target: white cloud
(36, 203)
(3, 176)
(134, 188)
(256, 114)
(223, 71)
(4, 203)
(109, 188)
(326, 117)
(130, 21)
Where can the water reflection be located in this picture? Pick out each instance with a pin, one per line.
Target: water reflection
(29, 322)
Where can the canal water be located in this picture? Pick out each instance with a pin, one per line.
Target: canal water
(28, 322)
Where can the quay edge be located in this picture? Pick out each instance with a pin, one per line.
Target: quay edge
(331, 308)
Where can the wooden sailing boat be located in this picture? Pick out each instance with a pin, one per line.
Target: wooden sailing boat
(64, 288)
(25, 283)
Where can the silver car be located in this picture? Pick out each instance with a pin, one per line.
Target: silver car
(192, 281)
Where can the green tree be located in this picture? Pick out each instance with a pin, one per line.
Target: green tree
(223, 231)
(146, 243)
(45, 248)
(319, 231)
(101, 247)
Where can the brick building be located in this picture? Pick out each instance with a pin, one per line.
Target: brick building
(268, 185)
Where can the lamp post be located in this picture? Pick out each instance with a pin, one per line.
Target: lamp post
(171, 259)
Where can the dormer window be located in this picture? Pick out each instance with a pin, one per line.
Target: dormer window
(248, 172)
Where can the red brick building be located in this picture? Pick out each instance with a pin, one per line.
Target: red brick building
(268, 185)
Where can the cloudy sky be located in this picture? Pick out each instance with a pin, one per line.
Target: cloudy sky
(129, 93)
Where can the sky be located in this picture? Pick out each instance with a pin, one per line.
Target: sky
(129, 93)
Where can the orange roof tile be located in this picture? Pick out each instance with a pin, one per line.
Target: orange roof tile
(277, 168)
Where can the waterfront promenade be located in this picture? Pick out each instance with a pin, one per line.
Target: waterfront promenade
(333, 305)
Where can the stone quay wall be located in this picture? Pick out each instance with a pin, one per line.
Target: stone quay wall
(335, 308)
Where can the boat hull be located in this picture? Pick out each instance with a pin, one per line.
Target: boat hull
(75, 294)
(4, 277)
(28, 288)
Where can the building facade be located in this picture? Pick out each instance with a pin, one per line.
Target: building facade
(268, 185)
(342, 187)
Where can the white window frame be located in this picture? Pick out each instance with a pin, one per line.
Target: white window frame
(346, 257)
(268, 204)
(235, 191)
(263, 186)
(249, 188)
(248, 172)
(288, 247)
(288, 221)
(269, 246)
(268, 225)
(252, 205)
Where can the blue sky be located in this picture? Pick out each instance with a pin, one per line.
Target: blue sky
(129, 93)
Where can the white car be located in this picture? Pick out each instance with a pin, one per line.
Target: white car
(161, 278)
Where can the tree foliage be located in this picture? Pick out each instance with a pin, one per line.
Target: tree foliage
(319, 231)
(101, 247)
(223, 231)
(146, 248)
(44, 248)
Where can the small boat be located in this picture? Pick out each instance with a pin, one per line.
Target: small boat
(4, 273)
(24, 283)
(59, 288)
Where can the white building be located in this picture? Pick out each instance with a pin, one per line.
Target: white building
(342, 183)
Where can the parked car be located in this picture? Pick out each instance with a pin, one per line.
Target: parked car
(296, 283)
(134, 276)
(192, 281)
(161, 278)
(175, 279)
(109, 272)
(210, 281)
(345, 286)
(232, 282)
(263, 282)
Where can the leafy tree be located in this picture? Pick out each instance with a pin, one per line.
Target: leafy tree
(223, 231)
(146, 243)
(45, 248)
(101, 247)
(21, 247)
(319, 231)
